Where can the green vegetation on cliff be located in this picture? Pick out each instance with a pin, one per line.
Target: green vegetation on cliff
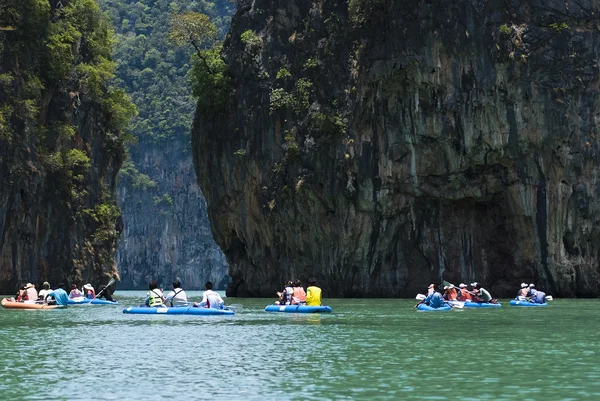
(151, 69)
(62, 140)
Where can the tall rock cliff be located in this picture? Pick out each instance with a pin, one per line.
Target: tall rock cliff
(166, 232)
(380, 145)
(61, 144)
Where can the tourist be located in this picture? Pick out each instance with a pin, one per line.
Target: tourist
(105, 293)
(463, 294)
(523, 291)
(75, 293)
(285, 296)
(154, 297)
(481, 295)
(44, 291)
(535, 296)
(31, 293)
(211, 299)
(89, 291)
(20, 295)
(313, 293)
(299, 295)
(450, 293)
(434, 298)
(177, 296)
(58, 296)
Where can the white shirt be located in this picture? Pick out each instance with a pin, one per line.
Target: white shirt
(43, 293)
(178, 299)
(211, 299)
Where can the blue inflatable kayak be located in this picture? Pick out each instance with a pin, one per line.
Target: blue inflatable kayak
(469, 304)
(86, 301)
(516, 302)
(176, 310)
(298, 309)
(427, 308)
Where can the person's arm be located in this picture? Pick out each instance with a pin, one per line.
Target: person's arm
(204, 299)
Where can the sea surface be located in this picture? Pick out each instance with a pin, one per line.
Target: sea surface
(367, 349)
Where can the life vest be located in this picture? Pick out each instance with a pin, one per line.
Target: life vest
(451, 294)
(313, 296)
(155, 298)
(299, 294)
(464, 295)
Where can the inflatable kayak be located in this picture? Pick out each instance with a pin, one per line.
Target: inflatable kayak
(86, 301)
(298, 309)
(516, 302)
(176, 310)
(427, 308)
(470, 304)
(8, 304)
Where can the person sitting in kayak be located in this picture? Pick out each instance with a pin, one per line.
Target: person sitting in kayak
(75, 293)
(481, 295)
(535, 296)
(44, 291)
(177, 296)
(299, 295)
(20, 295)
(31, 293)
(285, 296)
(105, 293)
(434, 299)
(58, 296)
(313, 293)
(523, 291)
(463, 294)
(154, 297)
(210, 299)
(450, 293)
(89, 291)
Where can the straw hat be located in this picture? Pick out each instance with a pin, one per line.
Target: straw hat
(29, 285)
(88, 287)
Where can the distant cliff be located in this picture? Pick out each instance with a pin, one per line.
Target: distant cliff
(380, 146)
(61, 144)
(166, 230)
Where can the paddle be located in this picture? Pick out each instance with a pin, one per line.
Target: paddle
(237, 308)
(111, 282)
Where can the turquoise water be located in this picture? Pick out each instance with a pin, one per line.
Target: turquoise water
(367, 349)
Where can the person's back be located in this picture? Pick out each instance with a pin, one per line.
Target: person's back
(44, 291)
(299, 295)
(75, 293)
(539, 297)
(451, 294)
(31, 293)
(154, 297)
(484, 295)
(435, 300)
(89, 291)
(177, 296)
(313, 294)
(211, 299)
(59, 296)
(463, 293)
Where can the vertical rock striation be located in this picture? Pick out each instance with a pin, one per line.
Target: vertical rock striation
(61, 144)
(381, 145)
(166, 233)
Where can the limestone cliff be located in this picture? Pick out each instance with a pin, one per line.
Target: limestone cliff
(61, 144)
(166, 234)
(380, 145)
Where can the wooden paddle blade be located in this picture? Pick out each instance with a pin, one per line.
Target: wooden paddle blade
(447, 284)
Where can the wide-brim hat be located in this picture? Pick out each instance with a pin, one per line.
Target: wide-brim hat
(523, 285)
(88, 287)
(29, 285)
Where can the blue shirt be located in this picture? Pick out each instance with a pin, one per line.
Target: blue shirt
(60, 296)
(434, 300)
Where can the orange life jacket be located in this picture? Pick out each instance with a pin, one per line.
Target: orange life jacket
(464, 295)
(451, 294)
(299, 294)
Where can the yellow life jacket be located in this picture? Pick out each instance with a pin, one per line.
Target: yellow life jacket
(313, 296)
(155, 298)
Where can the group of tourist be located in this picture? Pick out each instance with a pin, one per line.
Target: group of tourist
(293, 294)
(528, 292)
(476, 294)
(177, 297)
(28, 293)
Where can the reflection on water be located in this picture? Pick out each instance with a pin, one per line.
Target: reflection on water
(366, 349)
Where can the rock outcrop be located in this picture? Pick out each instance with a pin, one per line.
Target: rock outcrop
(382, 145)
(166, 232)
(61, 144)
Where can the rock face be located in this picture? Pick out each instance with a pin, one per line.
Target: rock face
(379, 146)
(166, 232)
(61, 145)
